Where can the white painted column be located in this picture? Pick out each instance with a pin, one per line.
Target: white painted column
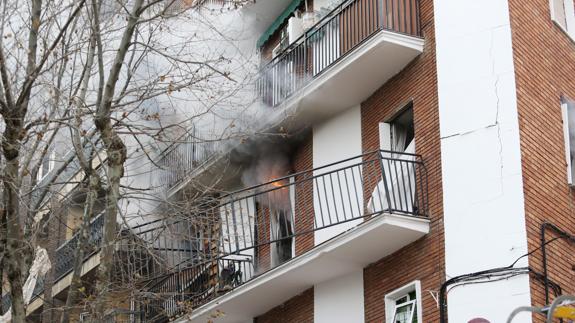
(334, 140)
(481, 163)
(340, 300)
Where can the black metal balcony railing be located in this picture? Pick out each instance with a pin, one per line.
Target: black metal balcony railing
(184, 263)
(180, 158)
(63, 262)
(64, 255)
(253, 230)
(336, 35)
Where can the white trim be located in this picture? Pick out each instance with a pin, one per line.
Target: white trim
(565, 115)
(392, 297)
(385, 136)
(568, 26)
(552, 13)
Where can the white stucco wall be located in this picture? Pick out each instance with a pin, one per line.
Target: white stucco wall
(481, 164)
(334, 140)
(340, 300)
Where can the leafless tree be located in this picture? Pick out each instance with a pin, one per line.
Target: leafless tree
(133, 75)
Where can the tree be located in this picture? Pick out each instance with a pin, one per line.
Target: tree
(133, 75)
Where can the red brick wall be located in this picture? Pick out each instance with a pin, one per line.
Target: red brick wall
(298, 309)
(304, 213)
(544, 65)
(424, 259)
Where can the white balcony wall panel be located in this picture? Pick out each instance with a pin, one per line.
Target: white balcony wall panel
(334, 140)
(340, 299)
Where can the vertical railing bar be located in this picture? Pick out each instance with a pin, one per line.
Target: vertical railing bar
(242, 224)
(348, 192)
(319, 201)
(393, 26)
(341, 196)
(369, 175)
(229, 233)
(411, 188)
(398, 190)
(334, 200)
(402, 164)
(359, 206)
(417, 17)
(385, 179)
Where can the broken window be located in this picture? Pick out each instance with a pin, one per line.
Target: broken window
(399, 133)
(568, 112)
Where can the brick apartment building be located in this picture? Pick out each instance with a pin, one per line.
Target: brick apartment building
(426, 174)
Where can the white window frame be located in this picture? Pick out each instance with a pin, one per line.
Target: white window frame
(567, 138)
(392, 297)
(569, 9)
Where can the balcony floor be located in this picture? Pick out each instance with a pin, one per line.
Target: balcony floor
(343, 254)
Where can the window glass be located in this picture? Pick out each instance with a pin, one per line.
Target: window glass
(405, 312)
(402, 305)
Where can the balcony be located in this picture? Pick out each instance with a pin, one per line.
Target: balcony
(260, 246)
(336, 64)
(247, 252)
(63, 264)
(344, 57)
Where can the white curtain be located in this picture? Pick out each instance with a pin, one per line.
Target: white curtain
(400, 181)
(399, 135)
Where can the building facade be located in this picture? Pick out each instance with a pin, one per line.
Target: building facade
(420, 169)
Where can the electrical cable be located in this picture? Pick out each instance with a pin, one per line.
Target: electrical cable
(505, 271)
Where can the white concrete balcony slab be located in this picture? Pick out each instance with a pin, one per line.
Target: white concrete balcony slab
(345, 253)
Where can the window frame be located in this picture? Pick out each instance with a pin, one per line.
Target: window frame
(392, 298)
(569, 25)
(566, 137)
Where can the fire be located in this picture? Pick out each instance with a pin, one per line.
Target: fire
(277, 184)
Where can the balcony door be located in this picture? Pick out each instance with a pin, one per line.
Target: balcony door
(396, 189)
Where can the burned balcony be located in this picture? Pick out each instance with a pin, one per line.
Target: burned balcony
(360, 42)
(250, 250)
(255, 248)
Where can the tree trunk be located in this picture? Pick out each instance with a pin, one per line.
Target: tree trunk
(84, 237)
(116, 154)
(15, 248)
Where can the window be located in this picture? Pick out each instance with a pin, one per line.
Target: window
(403, 305)
(405, 309)
(563, 13)
(47, 165)
(398, 134)
(568, 112)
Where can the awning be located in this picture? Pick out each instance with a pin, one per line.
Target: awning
(286, 14)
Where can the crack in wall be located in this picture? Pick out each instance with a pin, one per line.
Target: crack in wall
(497, 106)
